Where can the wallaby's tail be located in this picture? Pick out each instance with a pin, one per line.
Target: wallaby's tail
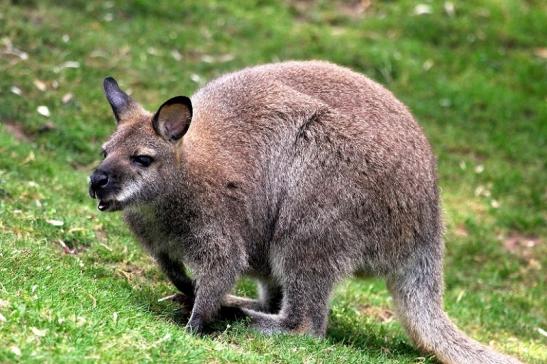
(417, 293)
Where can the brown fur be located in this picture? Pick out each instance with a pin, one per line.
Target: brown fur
(298, 174)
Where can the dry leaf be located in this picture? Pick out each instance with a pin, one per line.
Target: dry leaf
(445, 102)
(106, 247)
(460, 295)
(80, 321)
(176, 55)
(171, 296)
(16, 90)
(207, 58)
(482, 191)
(38, 332)
(449, 8)
(55, 222)
(71, 64)
(422, 9)
(30, 157)
(226, 58)
(195, 77)
(2, 318)
(427, 65)
(152, 51)
(11, 50)
(40, 85)
(15, 350)
(43, 110)
(67, 98)
(534, 264)
(541, 52)
(67, 64)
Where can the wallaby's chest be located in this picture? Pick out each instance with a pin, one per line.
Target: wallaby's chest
(154, 232)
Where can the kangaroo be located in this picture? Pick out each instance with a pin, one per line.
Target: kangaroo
(298, 174)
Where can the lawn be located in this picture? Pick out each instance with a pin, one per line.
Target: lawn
(74, 285)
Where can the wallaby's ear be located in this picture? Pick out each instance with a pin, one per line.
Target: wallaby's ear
(173, 118)
(120, 102)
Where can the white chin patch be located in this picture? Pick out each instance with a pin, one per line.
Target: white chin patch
(129, 191)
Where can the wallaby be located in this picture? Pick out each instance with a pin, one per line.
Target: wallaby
(297, 174)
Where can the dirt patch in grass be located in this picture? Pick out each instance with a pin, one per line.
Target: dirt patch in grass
(353, 9)
(130, 271)
(461, 231)
(17, 131)
(524, 246)
(381, 314)
(520, 244)
(101, 235)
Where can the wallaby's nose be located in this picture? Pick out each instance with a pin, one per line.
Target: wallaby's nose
(98, 179)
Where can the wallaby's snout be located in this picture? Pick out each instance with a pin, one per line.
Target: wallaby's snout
(100, 187)
(97, 181)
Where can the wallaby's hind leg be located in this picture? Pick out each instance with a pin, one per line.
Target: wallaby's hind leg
(269, 299)
(304, 307)
(417, 294)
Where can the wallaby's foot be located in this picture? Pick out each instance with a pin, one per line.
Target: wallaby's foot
(270, 296)
(230, 309)
(277, 323)
(243, 302)
(304, 308)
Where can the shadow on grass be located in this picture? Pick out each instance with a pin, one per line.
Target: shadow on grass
(375, 340)
(341, 332)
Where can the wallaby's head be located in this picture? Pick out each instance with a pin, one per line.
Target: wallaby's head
(141, 154)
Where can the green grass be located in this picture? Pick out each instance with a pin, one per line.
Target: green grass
(475, 80)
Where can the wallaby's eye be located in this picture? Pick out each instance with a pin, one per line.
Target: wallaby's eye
(142, 160)
(103, 153)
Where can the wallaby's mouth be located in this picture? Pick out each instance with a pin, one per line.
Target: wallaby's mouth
(104, 205)
(108, 205)
(105, 202)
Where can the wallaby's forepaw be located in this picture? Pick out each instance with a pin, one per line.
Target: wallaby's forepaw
(195, 325)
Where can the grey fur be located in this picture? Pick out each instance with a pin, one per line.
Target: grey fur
(298, 174)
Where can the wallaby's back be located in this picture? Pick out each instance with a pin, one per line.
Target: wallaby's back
(297, 130)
